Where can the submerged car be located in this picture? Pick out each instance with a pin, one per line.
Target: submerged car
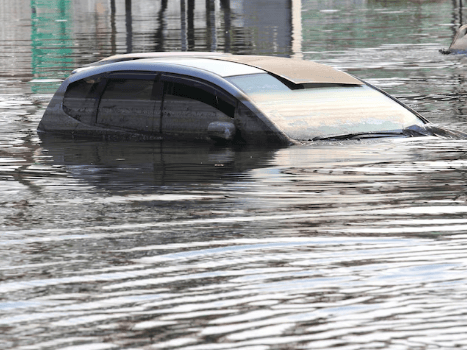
(226, 98)
(459, 43)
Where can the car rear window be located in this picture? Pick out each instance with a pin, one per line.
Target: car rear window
(326, 110)
(80, 100)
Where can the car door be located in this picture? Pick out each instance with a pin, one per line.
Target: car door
(131, 101)
(190, 105)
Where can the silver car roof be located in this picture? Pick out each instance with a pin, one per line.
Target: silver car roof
(221, 68)
(294, 70)
(212, 71)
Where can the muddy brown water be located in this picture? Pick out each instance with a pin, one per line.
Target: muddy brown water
(332, 245)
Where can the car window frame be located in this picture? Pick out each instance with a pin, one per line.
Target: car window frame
(207, 86)
(164, 78)
(153, 76)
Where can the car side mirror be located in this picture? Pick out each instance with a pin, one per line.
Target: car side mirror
(221, 131)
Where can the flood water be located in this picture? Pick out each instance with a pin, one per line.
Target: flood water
(150, 245)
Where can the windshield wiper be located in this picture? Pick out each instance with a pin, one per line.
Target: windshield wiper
(358, 136)
(411, 131)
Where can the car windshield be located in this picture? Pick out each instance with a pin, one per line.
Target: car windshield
(324, 110)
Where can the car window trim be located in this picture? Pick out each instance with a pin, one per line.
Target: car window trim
(202, 84)
(140, 75)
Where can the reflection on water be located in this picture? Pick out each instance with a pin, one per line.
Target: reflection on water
(153, 164)
(345, 245)
(192, 247)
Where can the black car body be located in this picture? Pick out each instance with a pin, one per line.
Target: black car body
(222, 97)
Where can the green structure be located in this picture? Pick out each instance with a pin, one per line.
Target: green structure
(51, 42)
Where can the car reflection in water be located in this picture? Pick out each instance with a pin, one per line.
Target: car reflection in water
(152, 165)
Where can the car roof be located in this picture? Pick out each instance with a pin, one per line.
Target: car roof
(218, 67)
(295, 71)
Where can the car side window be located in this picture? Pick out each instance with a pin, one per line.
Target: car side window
(131, 102)
(81, 99)
(128, 89)
(191, 105)
(198, 91)
(191, 92)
